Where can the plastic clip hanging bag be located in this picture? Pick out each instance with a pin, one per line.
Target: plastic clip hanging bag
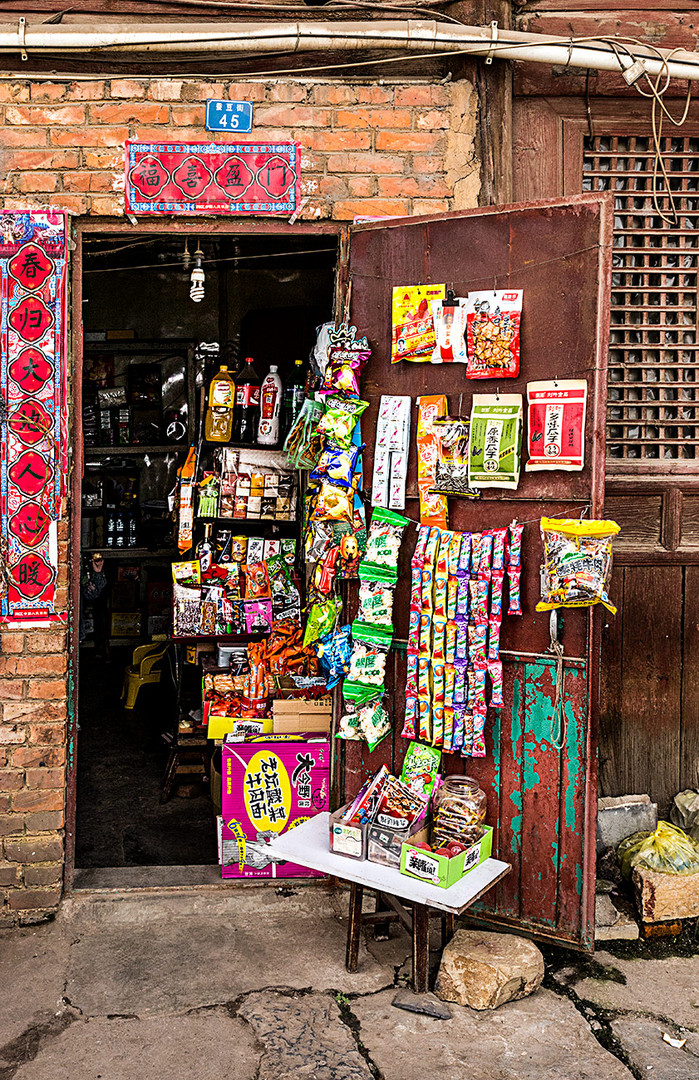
(668, 850)
(577, 563)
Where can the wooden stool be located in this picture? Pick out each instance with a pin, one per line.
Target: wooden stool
(389, 909)
(189, 756)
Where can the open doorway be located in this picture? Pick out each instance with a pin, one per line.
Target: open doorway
(150, 351)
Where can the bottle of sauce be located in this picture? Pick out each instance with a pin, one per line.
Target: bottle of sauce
(247, 403)
(205, 549)
(294, 395)
(218, 424)
(270, 408)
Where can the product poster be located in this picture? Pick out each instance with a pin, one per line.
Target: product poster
(33, 411)
(211, 178)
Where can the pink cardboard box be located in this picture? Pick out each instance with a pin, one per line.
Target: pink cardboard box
(270, 784)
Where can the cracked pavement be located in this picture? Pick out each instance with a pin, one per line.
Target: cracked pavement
(210, 983)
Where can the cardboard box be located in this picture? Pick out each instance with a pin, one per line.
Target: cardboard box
(299, 715)
(292, 706)
(438, 869)
(270, 784)
(125, 624)
(240, 726)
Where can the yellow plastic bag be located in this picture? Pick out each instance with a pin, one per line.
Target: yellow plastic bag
(577, 563)
(668, 850)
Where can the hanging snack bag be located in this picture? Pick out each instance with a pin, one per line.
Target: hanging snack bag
(451, 472)
(340, 419)
(384, 540)
(347, 356)
(433, 508)
(412, 335)
(492, 334)
(333, 503)
(333, 651)
(337, 465)
(303, 445)
(577, 563)
(496, 441)
(449, 318)
(557, 425)
(321, 620)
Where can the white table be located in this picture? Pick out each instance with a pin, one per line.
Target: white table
(308, 845)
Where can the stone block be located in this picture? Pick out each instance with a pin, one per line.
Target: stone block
(484, 970)
(622, 816)
(663, 897)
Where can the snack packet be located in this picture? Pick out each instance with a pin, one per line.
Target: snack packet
(433, 508)
(412, 331)
(557, 425)
(449, 317)
(347, 356)
(303, 445)
(333, 651)
(374, 723)
(340, 419)
(336, 465)
(321, 620)
(496, 441)
(384, 540)
(420, 768)
(451, 470)
(577, 563)
(257, 585)
(492, 334)
(333, 503)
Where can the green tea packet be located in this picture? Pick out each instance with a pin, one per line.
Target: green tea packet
(495, 453)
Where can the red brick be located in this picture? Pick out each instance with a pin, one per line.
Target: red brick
(53, 664)
(373, 118)
(12, 642)
(34, 850)
(3, 756)
(10, 874)
(88, 181)
(23, 899)
(46, 641)
(53, 734)
(60, 116)
(27, 757)
(43, 875)
(11, 780)
(32, 801)
(112, 158)
(421, 95)
(432, 119)
(14, 91)
(89, 136)
(328, 94)
(413, 186)
(86, 91)
(46, 689)
(407, 140)
(333, 187)
(44, 779)
(11, 690)
(4, 802)
(366, 163)
(35, 181)
(165, 89)
(199, 134)
(135, 112)
(235, 91)
(25, 137)
(41, 159)
(430, 206)
(77, 204)
(288, 91)
(45, 821)
(48, 91)
(107, 207)
(293, 116)
(12, 733)
(362, 186)
(379, 207)
(374, 95)
(34, 711)
(188, 115)
(337, 140)
(11, 823)
(127, 88)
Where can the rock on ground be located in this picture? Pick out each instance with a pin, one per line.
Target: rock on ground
(540, 1037)
(642, 1040)
(484, 970)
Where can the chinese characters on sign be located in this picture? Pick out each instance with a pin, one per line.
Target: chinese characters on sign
(229, 116)
(211, 178)
(265, 796)
(33, 400)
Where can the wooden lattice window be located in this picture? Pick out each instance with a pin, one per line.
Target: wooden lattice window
(653, 401)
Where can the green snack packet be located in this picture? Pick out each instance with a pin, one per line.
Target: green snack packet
(340, 419)
(359, 692)
(378, 637)
(374, 723)
(321, 620)
(383, 542)
(421, 767)
(495, 454)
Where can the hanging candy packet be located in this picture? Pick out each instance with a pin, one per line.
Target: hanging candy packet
(514, 569)
(433, 507)
(496, 441)
(412, 331)
(557, 425)
(321, 620)
(340, 419)
(449, 317)
(347, 356)
(384, 540)
(577, 563)
(451, 469)
(337, 465)
(333, 651)
(492, 333)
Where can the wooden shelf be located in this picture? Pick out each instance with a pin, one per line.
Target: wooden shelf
(131, 553)
(133, 451)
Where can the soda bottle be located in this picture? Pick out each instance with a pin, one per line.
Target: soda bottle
(247, 403)
(294, 395)
(218, 425)
(270, 408)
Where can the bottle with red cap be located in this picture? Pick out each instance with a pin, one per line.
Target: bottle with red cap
(247, 403)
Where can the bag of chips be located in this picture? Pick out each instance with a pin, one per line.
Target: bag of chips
(333, 503)
(557, 425)
(451, 473)
(340, 419)
(450, 328)
(333, 651)
(412, 334)
(495, 452)
(384, 540)
(492, 333)
(337, 465)
(347, 356)
(577, 563)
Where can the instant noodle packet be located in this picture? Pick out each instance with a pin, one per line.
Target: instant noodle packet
(577, 563)
(412, 330)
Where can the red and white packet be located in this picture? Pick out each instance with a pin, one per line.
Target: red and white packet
(557, 425)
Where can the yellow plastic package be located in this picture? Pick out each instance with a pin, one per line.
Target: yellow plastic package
(577, 563)
(668, 850)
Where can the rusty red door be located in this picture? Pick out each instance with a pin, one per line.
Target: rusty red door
(541, 798)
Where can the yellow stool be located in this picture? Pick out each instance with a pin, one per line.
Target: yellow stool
(142, 671)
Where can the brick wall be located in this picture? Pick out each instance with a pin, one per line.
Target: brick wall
(393, 148)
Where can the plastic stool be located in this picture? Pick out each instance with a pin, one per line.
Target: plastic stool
(141, 671)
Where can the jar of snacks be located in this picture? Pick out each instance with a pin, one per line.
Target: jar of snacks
(459, 812)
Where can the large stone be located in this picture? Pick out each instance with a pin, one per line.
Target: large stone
(642, 1039)
(620, 816)
(664, 897)
(485, 970)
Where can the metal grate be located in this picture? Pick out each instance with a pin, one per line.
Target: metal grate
(653, 401)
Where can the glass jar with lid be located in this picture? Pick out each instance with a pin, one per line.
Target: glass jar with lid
(459, 809)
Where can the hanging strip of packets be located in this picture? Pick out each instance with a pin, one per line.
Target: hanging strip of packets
(454, 670)
(34, 401)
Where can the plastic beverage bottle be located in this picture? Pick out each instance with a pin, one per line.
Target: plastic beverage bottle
(294, 395)
(218, 424)
(247, 403)
(270, 408)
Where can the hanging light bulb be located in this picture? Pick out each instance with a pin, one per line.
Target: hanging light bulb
(196, 288)
(186, 257)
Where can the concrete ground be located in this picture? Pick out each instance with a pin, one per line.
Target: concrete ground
(249, 983)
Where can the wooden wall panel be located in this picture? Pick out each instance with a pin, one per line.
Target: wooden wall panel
(689, 747)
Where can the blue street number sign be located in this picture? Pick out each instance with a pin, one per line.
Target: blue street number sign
(228, 116)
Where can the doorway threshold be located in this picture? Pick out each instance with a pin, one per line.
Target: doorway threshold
(145, 877)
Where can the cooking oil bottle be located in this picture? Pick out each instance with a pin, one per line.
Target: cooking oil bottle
(218, 425)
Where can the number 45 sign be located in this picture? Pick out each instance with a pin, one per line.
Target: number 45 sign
(228, 115)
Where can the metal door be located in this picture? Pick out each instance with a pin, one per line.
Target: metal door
(541, 800)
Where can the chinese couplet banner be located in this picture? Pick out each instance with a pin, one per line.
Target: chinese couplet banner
(212, 178)
(33, 411)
